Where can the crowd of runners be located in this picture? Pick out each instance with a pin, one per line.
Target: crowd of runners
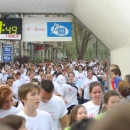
(66, 95)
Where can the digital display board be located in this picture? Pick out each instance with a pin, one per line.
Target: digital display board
(11, 28)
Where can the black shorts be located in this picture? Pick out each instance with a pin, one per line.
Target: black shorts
(70, 108)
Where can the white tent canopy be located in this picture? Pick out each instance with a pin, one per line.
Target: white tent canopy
(109, 20)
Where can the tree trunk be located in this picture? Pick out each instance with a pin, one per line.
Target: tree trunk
(78, 33)
(76, 36)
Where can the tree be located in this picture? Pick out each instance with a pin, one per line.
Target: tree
(82, 37)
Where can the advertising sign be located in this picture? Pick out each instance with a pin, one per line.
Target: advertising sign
(7, 48)
(47, 29)
(7, 57)
(59, 29)
(11, 29)
(7, 53)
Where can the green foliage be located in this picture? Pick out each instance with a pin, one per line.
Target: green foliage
(36, 59)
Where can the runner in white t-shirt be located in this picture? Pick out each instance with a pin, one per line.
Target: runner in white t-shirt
(56, 85)
(29, 94)
(85, 86)
(80, 76)
(93, 107)
(95, 69)
(54, 105)
(69, 92)
(61, 79)
(23, 74)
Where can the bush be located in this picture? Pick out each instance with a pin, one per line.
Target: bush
(36, 59)
(22, 59)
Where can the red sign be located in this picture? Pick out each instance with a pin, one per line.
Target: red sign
(39, 47)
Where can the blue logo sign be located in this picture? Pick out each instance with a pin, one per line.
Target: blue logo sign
(7, 48)
(59, 29)
(7, 58)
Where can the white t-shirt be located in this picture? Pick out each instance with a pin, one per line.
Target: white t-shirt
(1, 76)
(14, 89)
(95, 70)
(56, 87)
(12, 110)
(85, 73)
(70, 94)
(22, 78)
(85, 86)
(91, 108)
(16, 70)
(56, 108)
(52, 72)
(61, 80)
(38, 77)
(26, 79)
(91, 64)
(4, 78)
(80, 77)
(42, 121)
(95, 78)
(17, 83)
(44, 67)
(20, 106)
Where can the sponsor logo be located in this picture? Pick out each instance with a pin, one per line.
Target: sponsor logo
(59, 29)
(7, 49)
(6, 58)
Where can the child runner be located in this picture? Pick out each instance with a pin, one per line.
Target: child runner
(77, 114)
(29, 95)
(115, 76)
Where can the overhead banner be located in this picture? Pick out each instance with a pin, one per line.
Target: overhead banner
(11, 29)
(47, 29)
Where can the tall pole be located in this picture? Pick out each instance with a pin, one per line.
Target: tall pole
(20, 50)
(20, 43)
(12, 52)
